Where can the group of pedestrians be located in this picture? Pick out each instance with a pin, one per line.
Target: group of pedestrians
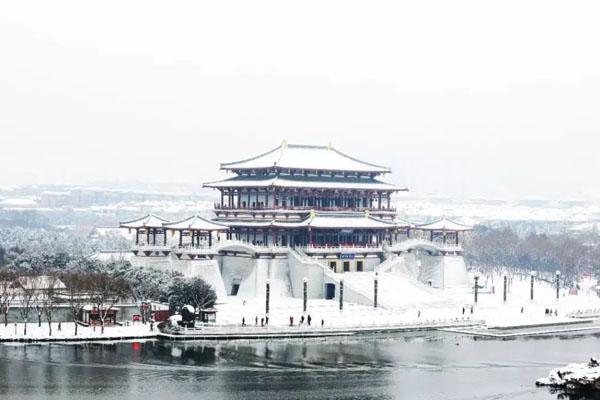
(264, 321)
(464, 310)
(549, 312)
(308, 320)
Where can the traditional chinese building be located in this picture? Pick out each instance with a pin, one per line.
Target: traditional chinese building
(303, 212)
(298, 195)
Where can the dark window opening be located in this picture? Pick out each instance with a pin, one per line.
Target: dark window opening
(359, 266)
(346, 266)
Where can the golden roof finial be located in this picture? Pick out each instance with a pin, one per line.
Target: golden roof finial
(312, 213)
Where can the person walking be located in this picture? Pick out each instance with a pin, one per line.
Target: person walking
(267, 320)
(301, 319)
(308, 319)
(291, 321)
(256, 320)
(262, 322)
(322, 323)
(243, 321)
(59, 327)
(463, 311)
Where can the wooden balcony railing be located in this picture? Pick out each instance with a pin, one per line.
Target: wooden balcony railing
(261, 208)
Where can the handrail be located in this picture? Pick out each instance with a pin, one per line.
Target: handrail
(409, 243)
(260, 208)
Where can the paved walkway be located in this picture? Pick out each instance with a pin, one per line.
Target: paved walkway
(252, 332)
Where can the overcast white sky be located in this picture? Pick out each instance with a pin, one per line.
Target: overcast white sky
(464, 98)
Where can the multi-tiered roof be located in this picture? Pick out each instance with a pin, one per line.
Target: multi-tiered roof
(305, 157)
(303, 166)
(291, 190)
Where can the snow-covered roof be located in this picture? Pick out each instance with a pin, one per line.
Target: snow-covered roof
(18, 203)
(402, 223)
(148, 221)
(348, 221)
(195, 223)
(296, 156)
(323, 221)
(289, 181)
(445, 224)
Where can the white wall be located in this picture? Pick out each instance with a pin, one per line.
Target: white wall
(252, 274)
(443, 271)
(455, 272)
(313, 271)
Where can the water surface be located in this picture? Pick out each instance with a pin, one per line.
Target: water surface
(402, 366)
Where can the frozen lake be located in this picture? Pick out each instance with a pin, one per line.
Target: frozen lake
(404, 366)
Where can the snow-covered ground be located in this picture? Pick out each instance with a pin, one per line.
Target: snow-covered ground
(459, 307)
(518, 310)
(34, 332)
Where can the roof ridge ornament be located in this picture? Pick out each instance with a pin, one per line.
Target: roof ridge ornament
(284, 144)
(329, 146)
(367, 214)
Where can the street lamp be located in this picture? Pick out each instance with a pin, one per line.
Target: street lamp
(557, 284)
(375, 287)
(268, 294)
(305, 293)
(505, 287)
(341, 294)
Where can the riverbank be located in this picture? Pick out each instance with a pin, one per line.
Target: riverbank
(15, 332)
(279, 332)
(240, 319)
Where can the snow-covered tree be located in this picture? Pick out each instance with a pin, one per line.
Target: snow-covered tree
(105, 291)
(77, 286)
(8, 291)
(194, 291)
